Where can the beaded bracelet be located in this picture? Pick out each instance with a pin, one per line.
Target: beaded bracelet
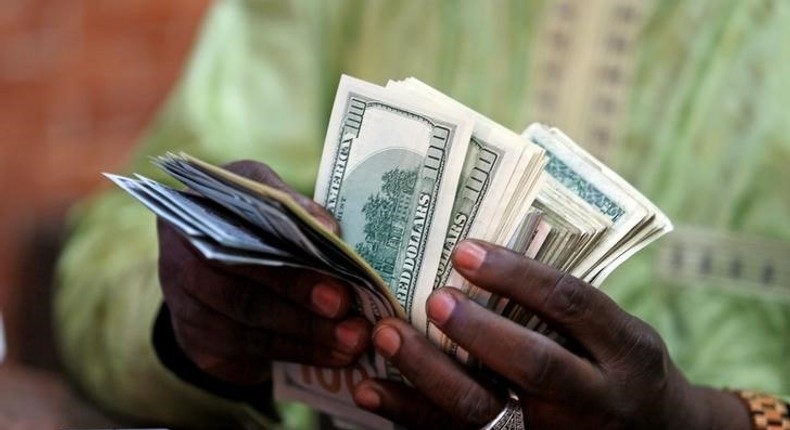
(767, 412)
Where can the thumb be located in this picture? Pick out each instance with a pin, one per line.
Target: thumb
(324, 217)
(264, 174)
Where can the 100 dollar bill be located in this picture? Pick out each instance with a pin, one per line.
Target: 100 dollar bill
(388, 174)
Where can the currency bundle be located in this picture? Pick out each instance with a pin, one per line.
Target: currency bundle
(409, 172)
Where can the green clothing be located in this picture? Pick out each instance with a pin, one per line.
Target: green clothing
(685, 99)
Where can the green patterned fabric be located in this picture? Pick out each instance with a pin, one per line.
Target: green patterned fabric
(705, 136)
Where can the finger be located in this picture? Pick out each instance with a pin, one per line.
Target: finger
(570, 306)
(540, 366)
(203, 331)
(213, 332)
(320, 293)
(404, 405)
(257, 304)
(231, 288)
(262, 173)
(230, 342)
(269, 313)
(433, 373)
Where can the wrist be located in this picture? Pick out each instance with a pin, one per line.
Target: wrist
(703, 408)
(716, 410)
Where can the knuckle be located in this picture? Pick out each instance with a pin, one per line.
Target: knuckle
(477, 409)
(643, 353)
(643, 339)
(650, 342)
(184, 310)
(310, 328)
(170, 271)
(411, 342)
(536, 373)
(287, 321)
(650, 351)
(520, 268)
(186, 276)
(252, 170)
(301, 288)
(567, 299)
(243, 304)
(325, 218)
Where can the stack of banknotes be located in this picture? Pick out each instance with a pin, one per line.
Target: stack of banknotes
(409, 172)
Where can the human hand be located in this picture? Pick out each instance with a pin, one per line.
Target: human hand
(620, 375)
(233, 320)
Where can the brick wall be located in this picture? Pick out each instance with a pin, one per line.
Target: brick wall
(79, 79)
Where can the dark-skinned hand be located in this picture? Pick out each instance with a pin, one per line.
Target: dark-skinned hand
(233, 320)
(620, 375)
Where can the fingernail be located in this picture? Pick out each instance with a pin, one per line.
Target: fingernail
(469, 256)
(440, 307)
(367, 398)
(326, 300)
(349, 335)
(387, 341)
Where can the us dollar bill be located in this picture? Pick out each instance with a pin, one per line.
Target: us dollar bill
(232, 220)
(409, 172)
(389, 173)
(570, 169)
(498, 162)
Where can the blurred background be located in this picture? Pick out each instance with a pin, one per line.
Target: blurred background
(79, 80)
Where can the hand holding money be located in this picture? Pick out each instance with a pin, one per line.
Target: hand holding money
(232, 321)
(408, 173)
(618, 375)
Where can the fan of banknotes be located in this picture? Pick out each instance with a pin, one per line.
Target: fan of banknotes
(409, 172)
